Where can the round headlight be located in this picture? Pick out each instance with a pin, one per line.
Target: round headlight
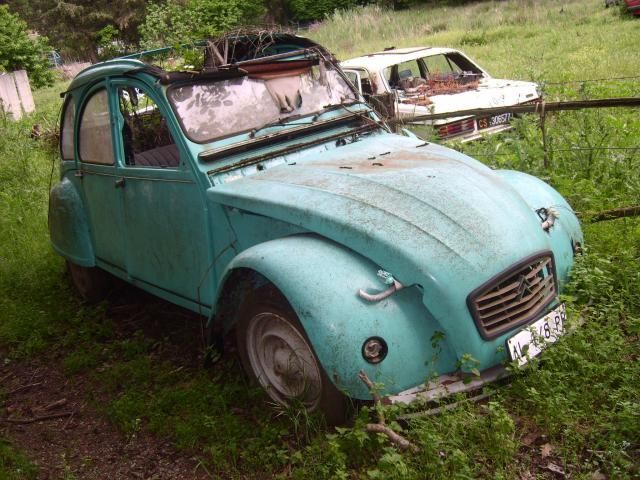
(374, 349)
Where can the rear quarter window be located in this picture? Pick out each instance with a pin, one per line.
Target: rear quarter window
(94, 136)
(66, 129)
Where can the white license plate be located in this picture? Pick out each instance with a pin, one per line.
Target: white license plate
(530, 341)
(494, 121)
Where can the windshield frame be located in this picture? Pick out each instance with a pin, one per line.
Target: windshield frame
(310, 54)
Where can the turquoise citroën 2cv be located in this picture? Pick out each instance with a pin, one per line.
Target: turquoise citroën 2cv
(262, 192)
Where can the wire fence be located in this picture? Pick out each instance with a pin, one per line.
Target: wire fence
(543, 108)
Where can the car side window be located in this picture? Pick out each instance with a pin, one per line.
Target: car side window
(403, 71)
(454, 66)
(66, 129)
(94, 137)
(437, 64)
(146, 139)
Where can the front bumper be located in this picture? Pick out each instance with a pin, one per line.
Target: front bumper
(447, 385)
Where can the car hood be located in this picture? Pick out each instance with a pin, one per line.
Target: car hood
(429, 215)
(491, 92)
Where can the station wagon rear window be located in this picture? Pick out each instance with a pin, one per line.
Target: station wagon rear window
(209, 110)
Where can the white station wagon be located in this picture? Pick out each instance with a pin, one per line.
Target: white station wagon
(426, 80)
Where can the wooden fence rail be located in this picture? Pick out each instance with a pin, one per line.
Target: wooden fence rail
(539, 107)
(632, 211)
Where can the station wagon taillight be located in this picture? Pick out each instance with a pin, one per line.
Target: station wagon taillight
(456, 128)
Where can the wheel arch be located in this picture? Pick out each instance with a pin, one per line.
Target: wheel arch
(68, 224)
(320, 279)
(566, 231)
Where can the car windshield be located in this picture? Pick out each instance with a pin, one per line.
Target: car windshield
(450, 67)
(269, 93)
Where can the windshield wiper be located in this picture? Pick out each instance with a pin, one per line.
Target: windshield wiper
(272, 123)
(287, 134)
(281, 121)
(363, 114)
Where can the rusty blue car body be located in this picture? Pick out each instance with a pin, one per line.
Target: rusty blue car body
(327, 207)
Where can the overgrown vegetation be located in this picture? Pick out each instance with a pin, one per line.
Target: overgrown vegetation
(575, 410)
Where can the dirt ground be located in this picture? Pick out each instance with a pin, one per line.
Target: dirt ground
(48, 416)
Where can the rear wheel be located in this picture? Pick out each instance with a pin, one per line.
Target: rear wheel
(91, 283)
(276, 353)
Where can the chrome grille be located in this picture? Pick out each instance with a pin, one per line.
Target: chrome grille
(514, 296)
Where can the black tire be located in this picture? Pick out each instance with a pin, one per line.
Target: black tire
(91, 283)
(287, 368)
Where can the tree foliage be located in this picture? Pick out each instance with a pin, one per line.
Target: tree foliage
(83, 29)
(19, 51)
(309, 10)
(172, 23)
(100, 29)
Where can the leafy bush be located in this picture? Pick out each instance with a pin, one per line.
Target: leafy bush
(18, 51)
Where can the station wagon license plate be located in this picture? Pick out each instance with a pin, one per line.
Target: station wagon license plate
(494, 121)
(530, 341)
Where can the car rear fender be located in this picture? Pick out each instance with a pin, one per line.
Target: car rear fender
(566, 234)
(68, 225)
(321, 279)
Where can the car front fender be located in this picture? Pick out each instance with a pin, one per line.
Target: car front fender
(566, 232)
(321, 279)
(68, 225)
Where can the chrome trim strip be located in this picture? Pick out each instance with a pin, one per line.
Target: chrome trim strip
(131, 177)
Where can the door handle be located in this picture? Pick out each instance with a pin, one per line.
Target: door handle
(120, 183)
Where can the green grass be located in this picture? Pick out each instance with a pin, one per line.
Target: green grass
(548, 40)
(584, 401)
(13, 464)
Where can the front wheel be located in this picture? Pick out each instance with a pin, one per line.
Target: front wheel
(276, 352)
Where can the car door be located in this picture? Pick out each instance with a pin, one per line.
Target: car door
(163, 206)
(98, 172)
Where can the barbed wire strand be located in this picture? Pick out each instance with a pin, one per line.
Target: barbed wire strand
(575, 149)
(593, 80)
